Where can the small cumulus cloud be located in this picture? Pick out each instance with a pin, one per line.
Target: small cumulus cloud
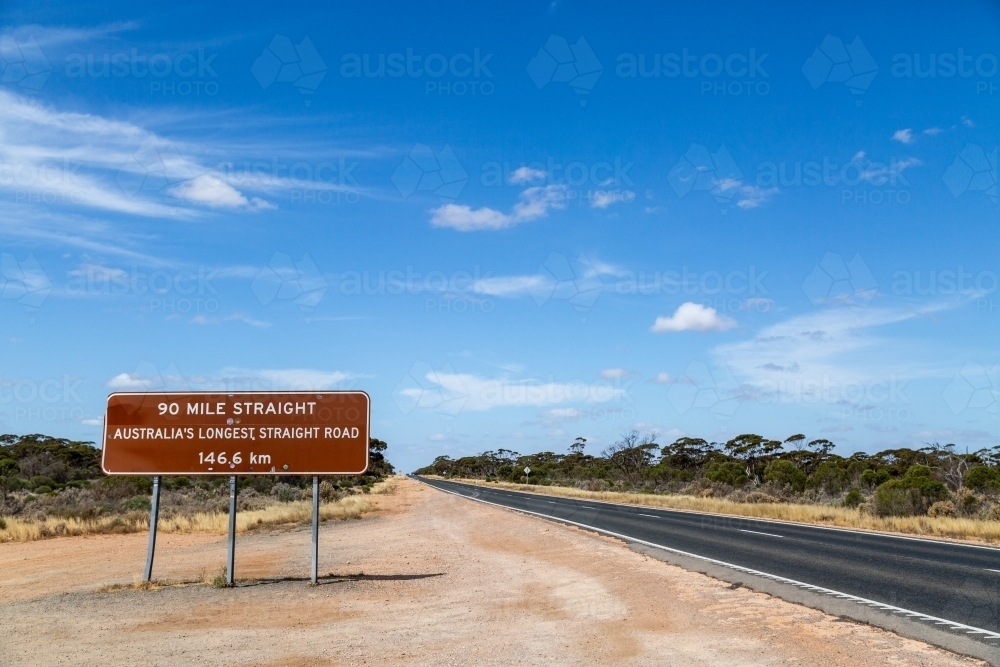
(691, 316)
(523, 175)
(662, 377)
(210, 190)
(535, 202)
(614, 373)
(904, 136)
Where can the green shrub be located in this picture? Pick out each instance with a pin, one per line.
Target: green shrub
(43, 489)
(894, 498)
(984, 478)
(3, 523)
(41, 480)
(830, 478)
(875, 478)
(138, 503)
(9, 468)
(785, 473)
(913, 494)
(728, 472)
(853, 498)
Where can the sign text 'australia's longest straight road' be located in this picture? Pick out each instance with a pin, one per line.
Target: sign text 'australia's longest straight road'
(239, 433)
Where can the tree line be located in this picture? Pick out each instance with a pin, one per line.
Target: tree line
(935, 479)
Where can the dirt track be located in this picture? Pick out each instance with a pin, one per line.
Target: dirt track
(429, 579)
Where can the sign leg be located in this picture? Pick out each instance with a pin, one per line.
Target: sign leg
(315, 540)
(231, 560)
(154, 515)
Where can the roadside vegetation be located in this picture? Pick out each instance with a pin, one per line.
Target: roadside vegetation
(53, 487)
(934, 490)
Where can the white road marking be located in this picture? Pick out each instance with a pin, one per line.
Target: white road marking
(651, 516)
(991, 570)
(757, 532)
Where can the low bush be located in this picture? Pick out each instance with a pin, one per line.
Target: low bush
(983, 478)
(784, 473)
(913, 494)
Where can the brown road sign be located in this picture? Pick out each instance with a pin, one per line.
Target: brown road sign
(239, 433)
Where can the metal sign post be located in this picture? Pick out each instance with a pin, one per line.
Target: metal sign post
(231, 560)
(154, 516)
(527, 471)
(315, 540)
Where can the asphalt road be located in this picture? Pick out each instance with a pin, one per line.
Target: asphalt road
(945, 580)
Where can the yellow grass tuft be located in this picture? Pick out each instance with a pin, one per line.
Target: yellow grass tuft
(351, 507)
(384, 488)
(973, 530)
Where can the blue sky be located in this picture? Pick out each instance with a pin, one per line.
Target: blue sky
(511, 226)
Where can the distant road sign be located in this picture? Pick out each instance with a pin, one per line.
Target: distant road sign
(238, 433)
(527, 470)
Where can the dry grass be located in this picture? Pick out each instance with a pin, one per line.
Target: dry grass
(351, 507)
(386, 488)
(973, 530)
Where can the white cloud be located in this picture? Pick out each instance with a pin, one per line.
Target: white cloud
(562, 413)
(89, 164)
(752, 196)
(210, 190)
(535, 202)
(523, 175)
(466, 219)
(604, 198)
(832, 355)
(96, 273)
(662, 377)
(91, 421)
(55, 38)
(878, 173)
(904, 136)
(291, 378)
(614, 373)
(509, 285)
(693, 317)
(966, 121)
(933, 131)
(953, 436)
(235, 317)
(128, 382)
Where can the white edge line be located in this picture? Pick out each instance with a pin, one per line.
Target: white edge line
(740, 568)
(780, 522)
(757, 532)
